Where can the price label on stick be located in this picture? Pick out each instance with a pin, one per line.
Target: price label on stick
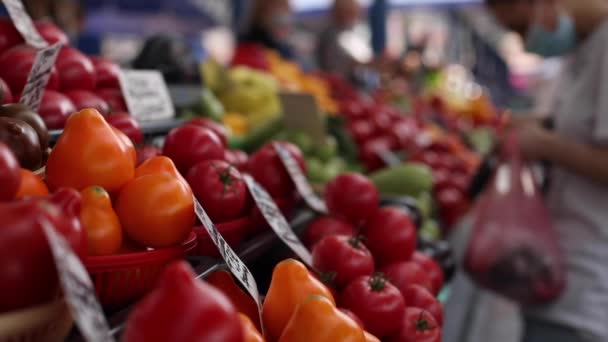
(277, 221)
(234, 263)
(39, 76)
(300, 180)
(146, 94)
(24, 24)
(78, 290)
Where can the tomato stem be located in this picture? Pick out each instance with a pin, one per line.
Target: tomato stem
(356, 241)
(377, 282)
(422, 323)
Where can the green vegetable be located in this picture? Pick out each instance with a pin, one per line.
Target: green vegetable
(210, 106)
(258, 136)
(409, 179)
(430, 230)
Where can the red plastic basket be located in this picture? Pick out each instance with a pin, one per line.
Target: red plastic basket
(123, 278)
(232, 231)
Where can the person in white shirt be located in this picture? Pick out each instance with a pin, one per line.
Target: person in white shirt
(577, 148)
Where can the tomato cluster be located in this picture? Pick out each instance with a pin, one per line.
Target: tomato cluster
(367, 255)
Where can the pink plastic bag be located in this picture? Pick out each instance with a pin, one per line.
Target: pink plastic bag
(513, 249)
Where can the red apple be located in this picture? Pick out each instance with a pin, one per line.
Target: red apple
(75, 70)
(86, 99)
(55, 109)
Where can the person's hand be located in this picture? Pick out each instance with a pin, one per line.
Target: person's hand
(532, 139)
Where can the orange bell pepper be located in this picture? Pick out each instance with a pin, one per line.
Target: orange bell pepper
(317, 319)
(31, 185)
(160, 164)
(89, 152)
(370, 338)
(291, 284)
(250, 332)
(243, 303)
(127, 143)
(99, 221)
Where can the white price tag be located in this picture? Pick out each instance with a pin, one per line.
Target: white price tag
(146, 94)
(39, 76)
(277, 221)
(24, 24)
(234, 263)
(78, 290)
(300, 180)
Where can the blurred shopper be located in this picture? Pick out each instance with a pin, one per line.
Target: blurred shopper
(271, 25)
(578, 150)
(331, 54)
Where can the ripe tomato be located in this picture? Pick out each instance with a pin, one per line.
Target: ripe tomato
(10, 177)
(361, 130)
(325, 226)
(215, 127)
(390, 235)
(103, 231)
(417, 325)
(352, 196)
(266, 167)
(126, 124)
(452, 205)
(353, 317)
(75, 70)
(190, 144)
(83, 99)
(31, 185)
(237, 158)
(146, 152)
(432, 269)
(376, 302)
(220, 188)
(405, 273)
(418, 297)
(156, 210)
(344, 257)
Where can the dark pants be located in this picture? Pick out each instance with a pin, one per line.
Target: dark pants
(541, 331)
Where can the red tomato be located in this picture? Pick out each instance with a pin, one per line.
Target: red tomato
(352, 196)
(344, 257)
(107, 73)
(215, 127)
(146, 152)
(75, 70)
(353, 317)
(432, 269)
(51, 33)
(220, 188)
(417, 325)
(21, 58)
(325, 226)
(404, 132)
(7, 94)
(190, 144)
(83, 99)
(376, 302)
(418, 297)
(352, 110)
(266, 167)
(114, 99)
(429, 158)
(10, 175)
(370, 149)
(9, 36)
(405, 273)
(390, 235)
(28, 275)
(237, 158)
(128, 125)
(452, 205)
(55, 109)
(361, 130)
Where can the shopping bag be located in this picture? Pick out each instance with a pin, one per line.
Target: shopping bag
(513, 249)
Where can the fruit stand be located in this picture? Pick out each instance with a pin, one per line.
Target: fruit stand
(237, 213)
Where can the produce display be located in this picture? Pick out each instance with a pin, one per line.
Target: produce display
(393, 170)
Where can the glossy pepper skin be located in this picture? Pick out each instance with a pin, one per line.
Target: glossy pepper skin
(291, 284)
(100, 222)
(317, 319)
(182, 308)
(243, 303)
(250, 331)
(89, 152)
